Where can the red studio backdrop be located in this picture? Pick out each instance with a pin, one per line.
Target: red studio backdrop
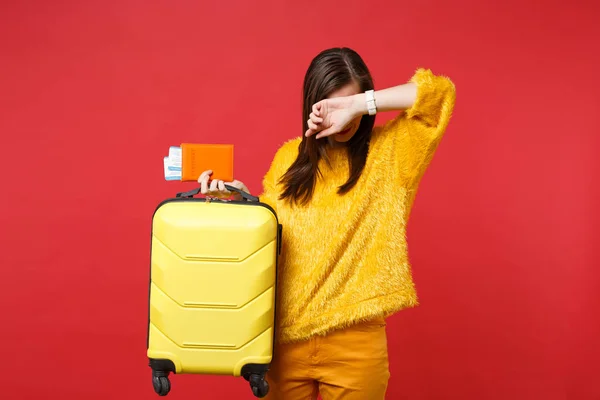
(503, 235)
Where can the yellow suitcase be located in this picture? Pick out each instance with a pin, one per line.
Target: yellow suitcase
(212, 289)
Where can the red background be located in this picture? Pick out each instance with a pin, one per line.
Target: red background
(504, 232)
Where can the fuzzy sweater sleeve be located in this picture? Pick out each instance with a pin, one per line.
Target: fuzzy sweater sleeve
(434, 104)
(412, 138)
(427, 120)
(415, 134)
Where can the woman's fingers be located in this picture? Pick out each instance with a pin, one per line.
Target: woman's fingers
(217, 187)
(315, 119)
(203, 180)
(204, 175)
(316, 108)
(207, 186)
(238, 185)
(327, 132)
(310, 132)
(312, 126)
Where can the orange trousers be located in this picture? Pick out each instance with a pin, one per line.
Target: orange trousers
(349, 364)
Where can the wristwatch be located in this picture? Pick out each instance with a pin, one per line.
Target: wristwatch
(371, 106)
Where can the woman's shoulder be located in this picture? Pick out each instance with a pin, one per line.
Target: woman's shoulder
(288, 149)
(286, 153)
(290, 146)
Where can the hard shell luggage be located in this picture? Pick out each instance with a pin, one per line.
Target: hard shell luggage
(212, 289)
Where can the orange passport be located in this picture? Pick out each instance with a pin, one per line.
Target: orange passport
(197, 158)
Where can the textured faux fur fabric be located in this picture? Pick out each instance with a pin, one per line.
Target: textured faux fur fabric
(344, 258)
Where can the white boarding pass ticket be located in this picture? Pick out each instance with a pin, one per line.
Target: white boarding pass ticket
(175, 155)
(172, 172)
(172, 164)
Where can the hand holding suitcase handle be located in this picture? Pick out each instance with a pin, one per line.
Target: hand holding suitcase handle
(245, 196)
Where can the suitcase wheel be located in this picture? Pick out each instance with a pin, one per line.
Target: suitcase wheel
(161, 384)
(259, 386)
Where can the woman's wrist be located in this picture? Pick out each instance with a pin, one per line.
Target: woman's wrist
(398, 97)
(359, 105)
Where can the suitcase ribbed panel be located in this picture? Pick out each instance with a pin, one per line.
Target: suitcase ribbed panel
(229, 284)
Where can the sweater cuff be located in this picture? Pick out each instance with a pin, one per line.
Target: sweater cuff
(435, 97)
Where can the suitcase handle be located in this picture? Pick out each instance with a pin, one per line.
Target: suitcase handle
(245, 196)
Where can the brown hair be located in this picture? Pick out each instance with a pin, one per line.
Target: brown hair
(329, 71)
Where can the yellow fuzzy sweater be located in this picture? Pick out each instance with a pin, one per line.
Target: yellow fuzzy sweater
(344, 258)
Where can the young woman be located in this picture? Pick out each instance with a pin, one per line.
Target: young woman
(343, 192)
